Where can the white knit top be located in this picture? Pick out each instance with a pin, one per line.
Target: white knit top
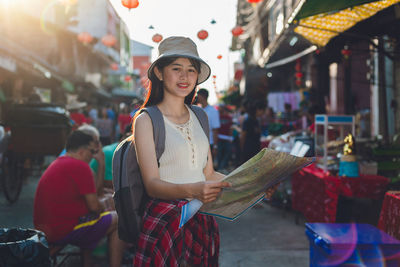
(186, 150)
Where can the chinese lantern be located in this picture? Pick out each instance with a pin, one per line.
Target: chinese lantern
(299, 75)
(214, 76)
(254, 1)
(114, 66)
(219, 56)
(157, 38)
(238, 30)
(85, 38)
(203, 34)
(127, 78)
(108, 40)
(346, 52)
(130, 3)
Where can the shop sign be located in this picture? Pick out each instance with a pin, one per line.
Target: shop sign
(8, 63)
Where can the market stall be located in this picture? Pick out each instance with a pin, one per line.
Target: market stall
(315, 192)
(389, 220)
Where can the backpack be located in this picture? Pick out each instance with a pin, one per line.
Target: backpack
(130, 197)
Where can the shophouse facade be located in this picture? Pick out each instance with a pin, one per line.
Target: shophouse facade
(354, 70)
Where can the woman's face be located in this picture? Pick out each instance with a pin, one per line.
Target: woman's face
(179, 78)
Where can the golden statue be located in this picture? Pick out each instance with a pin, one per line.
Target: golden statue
(348, 148)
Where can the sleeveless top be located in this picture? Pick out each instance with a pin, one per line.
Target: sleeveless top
(186, 151)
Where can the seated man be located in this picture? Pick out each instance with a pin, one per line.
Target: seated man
(66, 206)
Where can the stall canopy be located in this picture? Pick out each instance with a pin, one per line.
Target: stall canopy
(319, 21)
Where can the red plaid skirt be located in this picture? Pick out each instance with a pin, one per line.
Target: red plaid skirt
(160, 242)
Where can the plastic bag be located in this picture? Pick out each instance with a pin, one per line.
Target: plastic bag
(23, 247)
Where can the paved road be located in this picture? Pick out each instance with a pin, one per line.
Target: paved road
(263, 236)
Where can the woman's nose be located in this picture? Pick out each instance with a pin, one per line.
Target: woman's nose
(184, 74)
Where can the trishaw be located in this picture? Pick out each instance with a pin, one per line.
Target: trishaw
(33, 131)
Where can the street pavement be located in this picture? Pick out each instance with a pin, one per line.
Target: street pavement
(263, 236)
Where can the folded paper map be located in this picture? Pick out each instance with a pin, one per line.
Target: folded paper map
(249, 183)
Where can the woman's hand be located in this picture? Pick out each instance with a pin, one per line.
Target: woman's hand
(208, 191)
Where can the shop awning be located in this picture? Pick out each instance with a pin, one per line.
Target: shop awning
(319, 21)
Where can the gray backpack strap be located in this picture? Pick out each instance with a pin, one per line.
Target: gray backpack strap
(157, 120)
(203, 119)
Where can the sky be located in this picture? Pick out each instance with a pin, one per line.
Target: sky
(186, 18)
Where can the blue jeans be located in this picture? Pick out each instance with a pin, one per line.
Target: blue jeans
(223, 153)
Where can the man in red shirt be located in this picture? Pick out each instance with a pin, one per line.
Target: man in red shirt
(66, 207)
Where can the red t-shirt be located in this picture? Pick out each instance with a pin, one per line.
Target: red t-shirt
(59, 199)
(123, 121)
(78, 118)
(226, 124)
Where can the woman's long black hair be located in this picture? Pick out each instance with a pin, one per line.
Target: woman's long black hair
(155, 90)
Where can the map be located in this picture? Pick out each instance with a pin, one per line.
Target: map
(249, 183)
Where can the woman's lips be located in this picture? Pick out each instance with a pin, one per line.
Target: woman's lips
(183, 85)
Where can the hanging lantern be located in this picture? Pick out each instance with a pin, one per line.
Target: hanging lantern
(346, 52)
(114, 66)
(109, 40)
(299, 75)
(254, 1)
(203, 34)
(157, 38)
(214, 76)
(85, 38)
(219, 56)
(298, 83)
(298, 66)
(130, 3)
(127, 78)
(238, 30)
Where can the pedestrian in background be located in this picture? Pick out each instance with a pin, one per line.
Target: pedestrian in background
(225, 139)
(213, 118)
(105, 126)
(250, 135)
(185, 169)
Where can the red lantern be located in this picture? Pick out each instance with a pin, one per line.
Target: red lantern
(238, 30)
(219, 56)
(298, 83)
(85, 38)
(254, 1)
(157, 38)
(203, 34)
(346, 52)
(214, 76)
(114, 66)
(109, 40)
(299, 75)
(127, 78)
(130, 3)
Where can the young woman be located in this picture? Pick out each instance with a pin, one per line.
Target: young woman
(185, 168)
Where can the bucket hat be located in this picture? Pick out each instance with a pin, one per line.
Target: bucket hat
(178, 46)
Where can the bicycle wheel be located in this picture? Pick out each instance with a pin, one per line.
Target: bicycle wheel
(12, 176)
